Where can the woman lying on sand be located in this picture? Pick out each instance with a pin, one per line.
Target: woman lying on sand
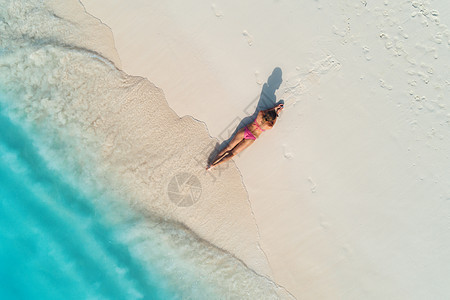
(247, 135)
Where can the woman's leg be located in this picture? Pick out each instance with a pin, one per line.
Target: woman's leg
(225, 151)
(238, 148)
(221, 158)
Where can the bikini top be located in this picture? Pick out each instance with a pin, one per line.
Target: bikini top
(258, 126)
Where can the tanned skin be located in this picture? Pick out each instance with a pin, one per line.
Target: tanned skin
(238, 143)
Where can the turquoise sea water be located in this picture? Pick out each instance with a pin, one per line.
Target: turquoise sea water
(60, 239)
(67, 226)
(54, 244)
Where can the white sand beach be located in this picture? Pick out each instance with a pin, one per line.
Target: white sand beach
(349, 194)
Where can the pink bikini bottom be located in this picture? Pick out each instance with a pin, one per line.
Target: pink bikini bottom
(248, 135)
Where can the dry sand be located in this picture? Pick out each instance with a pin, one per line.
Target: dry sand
(350, 190)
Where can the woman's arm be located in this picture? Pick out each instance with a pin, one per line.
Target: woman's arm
(276, 108)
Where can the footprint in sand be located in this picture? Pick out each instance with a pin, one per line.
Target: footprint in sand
(258, 79)
(384, 85)
(304, 79)
(217, 12)
(323, 223)
(248, 37)
(286, 153)
(313, 186)
(366, 52)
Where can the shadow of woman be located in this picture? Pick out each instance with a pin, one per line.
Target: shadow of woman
(267, 100)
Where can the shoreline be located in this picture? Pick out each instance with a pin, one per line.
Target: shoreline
(108, 131)
(362, 137)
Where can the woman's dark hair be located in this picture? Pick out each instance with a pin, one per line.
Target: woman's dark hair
(270, 116)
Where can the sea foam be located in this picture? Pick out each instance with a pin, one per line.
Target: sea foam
(101, 150)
